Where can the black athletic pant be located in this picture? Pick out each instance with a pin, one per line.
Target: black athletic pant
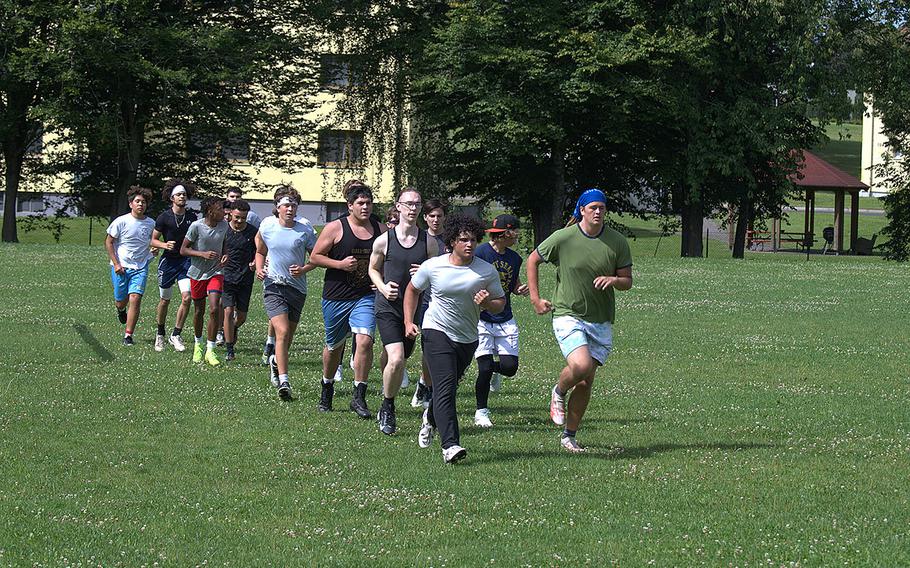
(507, 366)
(447, 361)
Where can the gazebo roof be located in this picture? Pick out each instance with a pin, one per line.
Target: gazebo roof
(817, 173)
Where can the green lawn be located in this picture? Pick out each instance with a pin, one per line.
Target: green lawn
(754, 412)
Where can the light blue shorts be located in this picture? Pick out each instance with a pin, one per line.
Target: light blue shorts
(343, 317)
(132, 281)
(572, 333)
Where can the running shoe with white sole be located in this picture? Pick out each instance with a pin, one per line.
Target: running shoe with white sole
(454, 454)
(128, 341)
(419, 394)
(273, 371)
(425, 436)
(496, 382)
(284, 390)
(159, 343)
(198, 352)
(121, 316)
(570, 445)
(482, 418)
(177, 342)
(219, 339)
(557, 408)
(339, 376)
(211, 358)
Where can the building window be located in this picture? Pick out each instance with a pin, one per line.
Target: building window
(30, 203)
(340, 149)
(36, 143)
(235, 148)
(336, 71)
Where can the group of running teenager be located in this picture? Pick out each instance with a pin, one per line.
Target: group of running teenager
(441, 283)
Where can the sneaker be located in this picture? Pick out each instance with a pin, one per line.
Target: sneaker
(420, 394)
(359, 403)
(338, 375)
(128, 341)
(496, 382)
(454, 454)
(121, 316)
(273, 371)
(284, 390)
(267, 352)
(351, 362)
(570, 445)
(159, 343)
(482, 418)
(230, 356)
(387, 422)
(211, 358)
(198, 351)
(426, 433)
(405, 382)
(177, 342)
(557, 408)
(325, 399)
(219, 339)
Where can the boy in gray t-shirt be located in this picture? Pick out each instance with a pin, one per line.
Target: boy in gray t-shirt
(204, 244)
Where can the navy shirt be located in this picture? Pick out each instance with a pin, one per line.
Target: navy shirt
(507, 265)
(173, 227)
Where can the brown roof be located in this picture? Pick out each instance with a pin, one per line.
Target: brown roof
(815, 172)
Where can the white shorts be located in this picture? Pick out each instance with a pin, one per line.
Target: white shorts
(572, 333)
(183, 285)
(497, 338)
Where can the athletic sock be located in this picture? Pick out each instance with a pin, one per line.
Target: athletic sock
(161, 330)
(177, 331)
(210, 345)
(128, 333)
(358, 383)
(568, 433)
(326, 381)
(283, 378)
(270, 340)
(199, 339)
(421, 381)
(559, 393)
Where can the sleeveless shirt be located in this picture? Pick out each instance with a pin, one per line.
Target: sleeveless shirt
(344, 285)
(397, 268)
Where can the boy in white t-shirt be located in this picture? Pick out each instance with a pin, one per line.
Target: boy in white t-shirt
(128, 243)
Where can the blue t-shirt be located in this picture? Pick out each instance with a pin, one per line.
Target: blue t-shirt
(507, 265)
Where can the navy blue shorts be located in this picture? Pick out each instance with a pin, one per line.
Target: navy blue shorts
(171, 270)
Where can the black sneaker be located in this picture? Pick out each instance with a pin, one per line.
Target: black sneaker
(230, 356)
(273, 371)
(387, 421)
(325, 399)
(121, 315)
(128, 341)
(359, 403)
(284, 390)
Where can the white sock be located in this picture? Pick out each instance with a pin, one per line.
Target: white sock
(327, 381)
(199, 339)
(422, 381)
(270, 340)
(210, 345)
(358, 383)
(283, 378)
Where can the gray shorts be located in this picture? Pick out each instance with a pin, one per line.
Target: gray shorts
(280, 299)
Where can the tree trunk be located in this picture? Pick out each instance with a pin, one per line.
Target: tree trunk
(129, 154)
(693, 220)
(743, 218)
(14, 146)
(547, 216)
(13, 164)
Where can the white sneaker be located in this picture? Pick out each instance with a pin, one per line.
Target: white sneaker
(351, 362)
(454, 454)
(425, 436)
(404, 379)
(570, 445)
(159, 343)
(557, 408)
(496, 382)
(219, 339)
(177, 343)
(482, 418)
(273, 372)
(338, 375)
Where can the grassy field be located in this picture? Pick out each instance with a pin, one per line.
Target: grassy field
(753, 413)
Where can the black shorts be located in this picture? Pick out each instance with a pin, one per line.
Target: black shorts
(237, 296)
(391, 330)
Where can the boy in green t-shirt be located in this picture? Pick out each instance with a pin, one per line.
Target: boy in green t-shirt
(591, 261)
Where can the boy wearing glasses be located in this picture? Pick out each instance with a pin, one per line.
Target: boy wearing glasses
(396, 256)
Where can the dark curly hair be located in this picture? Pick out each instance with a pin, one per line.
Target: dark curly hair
(139, 190)
(208, 203)
(170, 184)
(460, 223)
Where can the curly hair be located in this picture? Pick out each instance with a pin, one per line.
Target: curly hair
(460, 223)
(140, 191)
(170, 184)
(286, 190)
(208, 203)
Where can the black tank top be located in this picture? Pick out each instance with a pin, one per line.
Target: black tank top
(397, 268)
(344, 285)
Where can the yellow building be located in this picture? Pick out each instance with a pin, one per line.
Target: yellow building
(875, 152)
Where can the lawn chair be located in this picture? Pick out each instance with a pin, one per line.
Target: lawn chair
(864, 246)
(828, 235)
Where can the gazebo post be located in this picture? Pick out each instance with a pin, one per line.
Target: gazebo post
(806, 213)
(812, 216)
(839, 220)
(854, 219)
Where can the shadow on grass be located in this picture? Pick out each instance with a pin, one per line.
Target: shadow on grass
(89, 338)
(621, 454)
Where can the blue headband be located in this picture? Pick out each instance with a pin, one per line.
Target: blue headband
(587, 197)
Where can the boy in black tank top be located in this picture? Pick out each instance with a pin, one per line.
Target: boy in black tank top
(343, 249)
(396, 255)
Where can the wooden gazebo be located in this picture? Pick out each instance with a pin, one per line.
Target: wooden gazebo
(816, 175)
